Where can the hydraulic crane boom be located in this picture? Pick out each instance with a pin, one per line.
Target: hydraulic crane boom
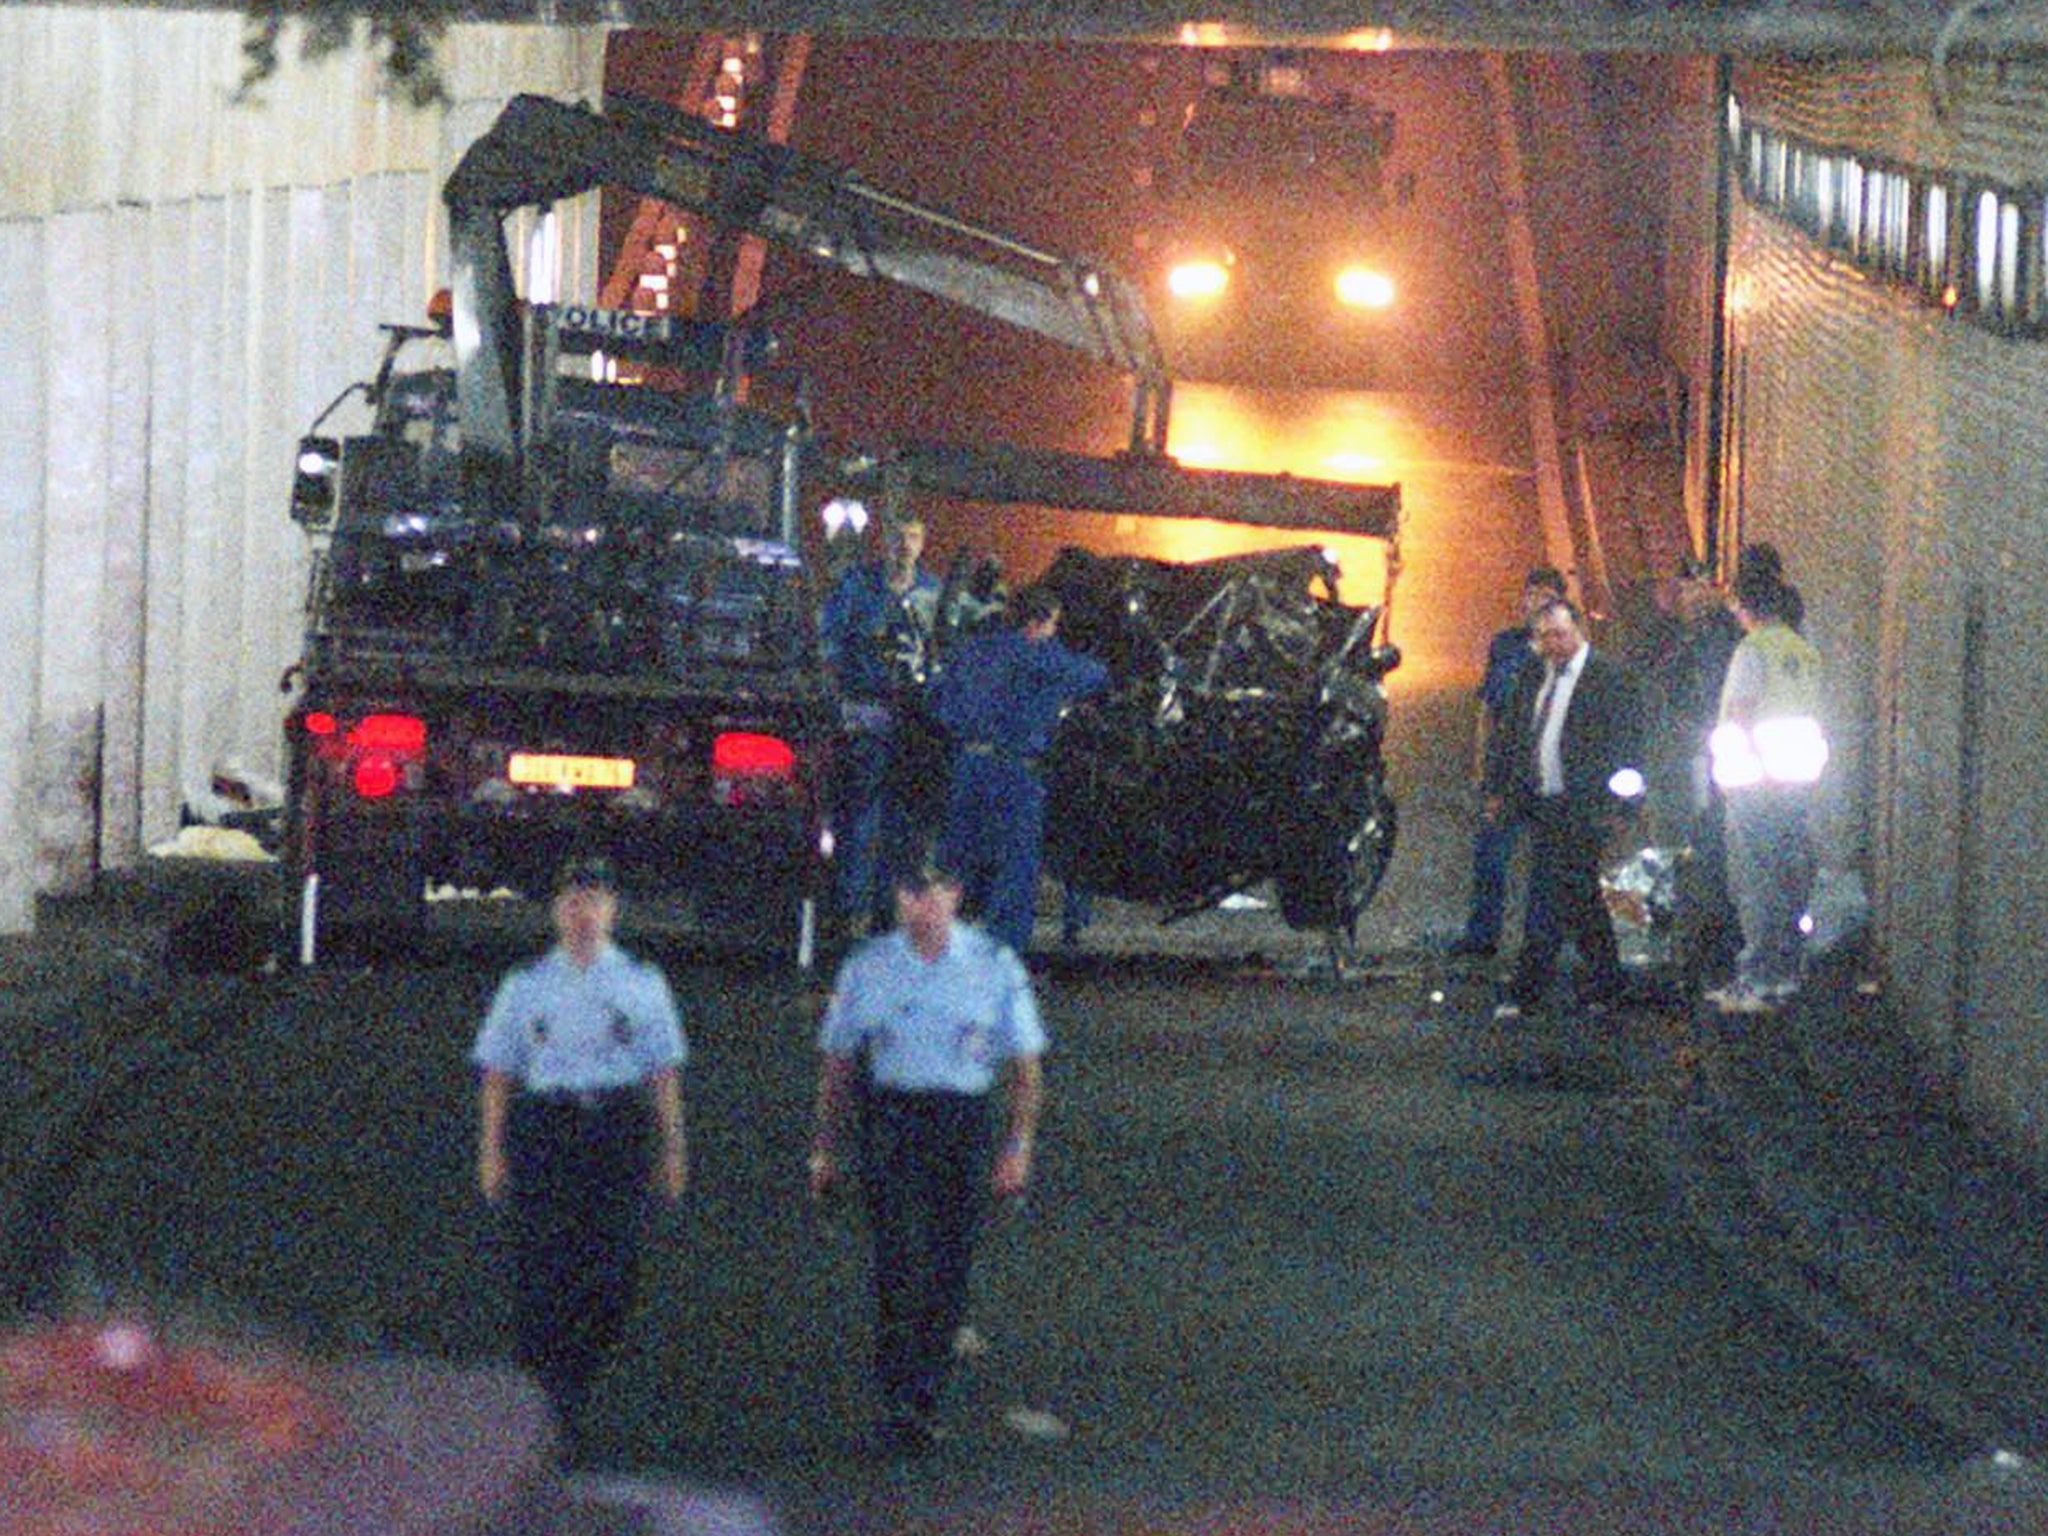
(540, 150)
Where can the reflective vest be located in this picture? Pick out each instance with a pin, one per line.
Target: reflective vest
(1770, 726)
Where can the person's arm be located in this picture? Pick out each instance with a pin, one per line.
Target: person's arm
(1079, 675)
(1482, 744)
(835, 618)
(672, 1166)
(1024, 1089)
(1743, 686)
(492, 1098)
(835, 1096)
(1503, 744)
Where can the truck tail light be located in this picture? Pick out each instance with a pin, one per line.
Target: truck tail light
(372, 755)
(752, 755)
(752, 768)
(376, 776)
(402, 734)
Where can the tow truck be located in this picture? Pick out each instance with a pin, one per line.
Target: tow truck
(548, 612)
(1277, 239)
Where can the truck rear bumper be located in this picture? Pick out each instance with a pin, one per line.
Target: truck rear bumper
(667, 852)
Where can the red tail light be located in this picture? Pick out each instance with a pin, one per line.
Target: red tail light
(751, 755)
(376, 777)
(389, 733)
(375, 756)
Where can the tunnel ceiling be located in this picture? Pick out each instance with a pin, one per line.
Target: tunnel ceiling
(1669, 26)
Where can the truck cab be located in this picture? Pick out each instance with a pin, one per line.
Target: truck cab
(615, 652)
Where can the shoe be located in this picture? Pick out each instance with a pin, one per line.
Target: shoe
(1507, 1013)
(1741, 997)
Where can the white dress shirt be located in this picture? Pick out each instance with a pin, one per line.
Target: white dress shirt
(1556, 696)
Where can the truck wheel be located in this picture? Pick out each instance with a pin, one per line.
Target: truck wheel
(759, 915)
(354, 923)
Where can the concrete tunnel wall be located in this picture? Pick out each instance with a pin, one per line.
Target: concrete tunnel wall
(1895, 454)
(185, 282)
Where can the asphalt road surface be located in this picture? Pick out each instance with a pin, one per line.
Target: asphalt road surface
(1303, 1253)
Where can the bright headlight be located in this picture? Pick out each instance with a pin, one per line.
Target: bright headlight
(1203, 278)
(1363, 288)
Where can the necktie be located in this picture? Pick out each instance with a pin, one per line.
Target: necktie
(1543, 703)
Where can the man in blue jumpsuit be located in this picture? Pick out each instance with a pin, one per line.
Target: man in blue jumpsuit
(581, 1051)
(937, 1009)
(1000, 698)
(874, 630)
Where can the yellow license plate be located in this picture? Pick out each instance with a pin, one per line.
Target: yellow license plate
(555, 770)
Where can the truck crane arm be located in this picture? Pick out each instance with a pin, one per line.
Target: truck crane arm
(540, 150)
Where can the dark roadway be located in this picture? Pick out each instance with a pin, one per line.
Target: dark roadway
(1299, 1256)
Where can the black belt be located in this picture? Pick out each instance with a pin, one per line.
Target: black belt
(1000, 754)
(589, 1099)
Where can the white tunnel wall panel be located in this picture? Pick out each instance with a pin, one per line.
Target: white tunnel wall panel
(205, 471)
(173, 231)
(123, 621)
(70, 719)
(23, 390)
(187, 283)
(221, 591)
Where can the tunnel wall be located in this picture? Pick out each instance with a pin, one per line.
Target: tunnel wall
(1894, 452)
(186, 282)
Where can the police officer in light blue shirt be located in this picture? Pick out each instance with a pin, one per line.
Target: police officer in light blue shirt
(939, 1012)
(580, 1055)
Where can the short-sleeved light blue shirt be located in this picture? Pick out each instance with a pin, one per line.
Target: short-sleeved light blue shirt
(557, 1026)
(941, 1025)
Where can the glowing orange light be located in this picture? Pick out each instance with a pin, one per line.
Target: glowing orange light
(1347, 463)
(1205, 278)
(1363, 288)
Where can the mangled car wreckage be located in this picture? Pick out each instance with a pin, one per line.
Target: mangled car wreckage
(1239, 741)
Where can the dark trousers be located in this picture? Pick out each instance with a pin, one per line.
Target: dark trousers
(1493, 857)
(868, 820)
(578, 1206)
(995, 835)
(1709, 933)
(924, 1159)
(1564, 875)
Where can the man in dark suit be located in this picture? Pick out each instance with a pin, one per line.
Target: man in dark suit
(1567, 761)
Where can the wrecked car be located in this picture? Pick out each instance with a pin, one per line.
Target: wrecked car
(1239, 740)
